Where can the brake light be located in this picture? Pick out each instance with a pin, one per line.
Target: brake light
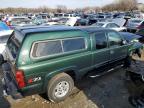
(20, 79)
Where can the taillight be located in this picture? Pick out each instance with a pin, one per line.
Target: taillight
(20, 79)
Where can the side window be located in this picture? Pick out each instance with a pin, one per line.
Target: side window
(101, 40)
(108, 26)
(53, 47)
(73, 44)
(47, 48)
(113, 25)
(114, 39)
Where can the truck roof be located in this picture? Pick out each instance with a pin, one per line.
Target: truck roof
(93, 29)
(39, 29)
(42, 29)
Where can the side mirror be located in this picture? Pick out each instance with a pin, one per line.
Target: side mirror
(1, 59)
(124, 42)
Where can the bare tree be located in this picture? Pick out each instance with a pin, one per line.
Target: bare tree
(121, 5)
(127, 5)
(61, 8)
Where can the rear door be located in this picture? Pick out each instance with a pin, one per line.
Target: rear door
(12, 49)
(13, 45)
(101, 53)
(118, 50)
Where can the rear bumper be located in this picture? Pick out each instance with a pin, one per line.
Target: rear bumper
(9, 84)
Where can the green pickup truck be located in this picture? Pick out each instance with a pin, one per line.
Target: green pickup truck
(48, 59)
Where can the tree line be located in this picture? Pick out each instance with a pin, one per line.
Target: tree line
(118, 5)
(122, 5)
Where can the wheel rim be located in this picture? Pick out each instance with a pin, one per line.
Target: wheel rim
(61, 89)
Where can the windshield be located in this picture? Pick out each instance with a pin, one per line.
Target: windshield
(58, 15)
(66, 15)
(14, 43)
(98, 24)
(136, 21)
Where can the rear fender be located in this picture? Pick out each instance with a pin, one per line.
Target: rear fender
(52, 74)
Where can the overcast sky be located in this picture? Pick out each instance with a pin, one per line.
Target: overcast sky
(54, 3)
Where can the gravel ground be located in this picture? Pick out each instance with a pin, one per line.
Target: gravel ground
(107, 91)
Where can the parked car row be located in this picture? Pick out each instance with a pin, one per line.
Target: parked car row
(40, 18)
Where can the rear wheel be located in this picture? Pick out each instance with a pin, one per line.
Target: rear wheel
(60, 87)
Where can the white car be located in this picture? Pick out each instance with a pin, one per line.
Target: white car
(4, 35)
(72, 21)
(110, 25)
(135, 24)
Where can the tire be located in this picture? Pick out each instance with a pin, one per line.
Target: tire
(60, 87)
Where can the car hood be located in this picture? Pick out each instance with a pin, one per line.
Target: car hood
(119, 21)
(130, 36)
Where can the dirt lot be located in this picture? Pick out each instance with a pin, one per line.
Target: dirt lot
(108, 91)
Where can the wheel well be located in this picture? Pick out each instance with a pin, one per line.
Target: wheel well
(72, 74)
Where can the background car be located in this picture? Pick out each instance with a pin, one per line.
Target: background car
(5, 32)
(137, 46)
(135, 24)
(13, 22)
(110, 25)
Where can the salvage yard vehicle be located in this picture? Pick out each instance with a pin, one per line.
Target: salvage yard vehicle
(135, 24)
(13, 22)
(110, 25)
(48, 59)
(137, 46)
